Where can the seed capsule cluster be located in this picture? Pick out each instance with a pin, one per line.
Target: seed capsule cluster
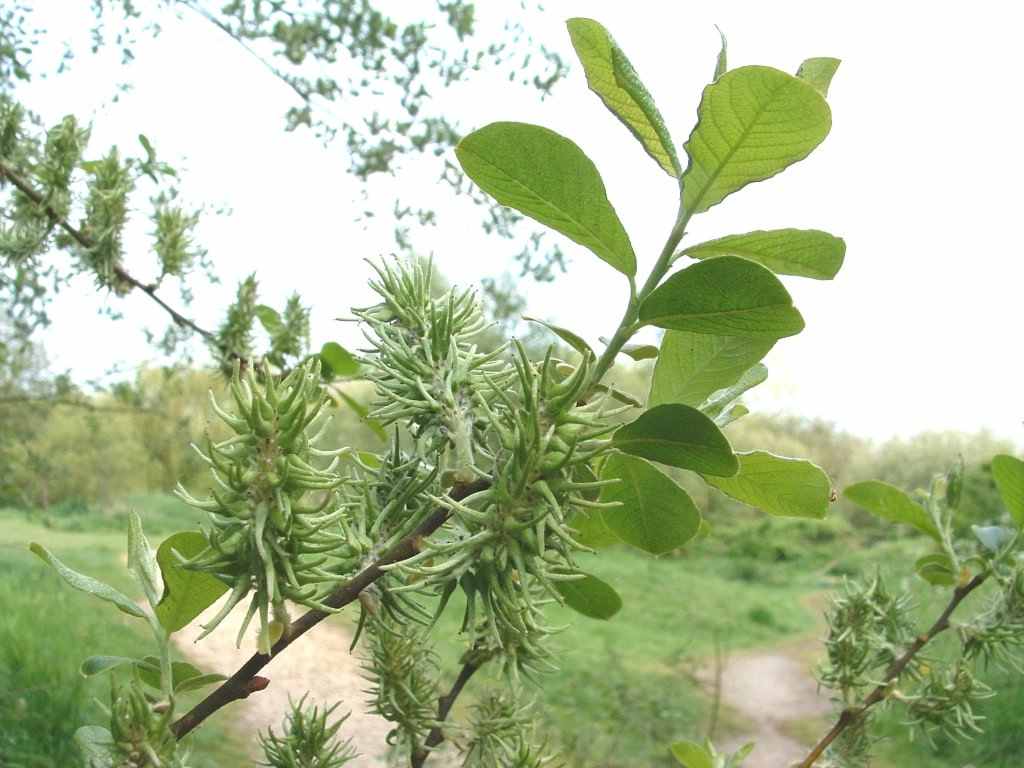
(141, 734)
(425, 365)
(274, 519)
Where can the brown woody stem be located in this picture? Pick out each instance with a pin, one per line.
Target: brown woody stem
(444, 706)
(239, 685)
(850, 715)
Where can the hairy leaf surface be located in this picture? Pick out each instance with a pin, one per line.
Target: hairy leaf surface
(692, 366)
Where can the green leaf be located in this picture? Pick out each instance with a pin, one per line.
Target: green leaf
(656, 515)
(188, 593)
(692, 755)
(693, 366)
(936, 569)
(96, 747)
(363, 413)
(720, 400)
(182, 673)
(87, 583)
(680, 436)
(801, 252)
(591, 531)
(550, 179)
(730, 415)
(640, 351)
(269, 319)
(570, 338)
(752, 123)
(778, 485)
(727, 296)
(97, 665)
(613, 79)
(338, 360)
(889, 502)
(819, 72)
(142, 561)
(199, 681)
(722, 62)
(1008, 472)
(590, 596)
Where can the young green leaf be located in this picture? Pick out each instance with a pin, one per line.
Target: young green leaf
(655, 515)
(269, 319)
(199, 681)
(337, 360)
(889, 502)
(613, 79)
(936, 569)
(726, 296)
(1008, 472)
(679, 436)
(778, 485)
(550, 179)
(87, 584)
(591, 531)
(570, 338)
(693, 366)
(188, 593)
(640, 351)
(753, 122)
(142, 561)
(720, 400)
(730, 415)
(819, 72)
(801, 252)
(692, 755)
(722, 62)
(181, 672)
(590, 596)
(97, 665)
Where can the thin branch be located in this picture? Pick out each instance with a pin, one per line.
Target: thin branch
(444, 706)
(851, 714)
(239, 684)
(86, 242)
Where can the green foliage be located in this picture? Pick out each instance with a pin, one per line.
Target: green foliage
(653, 513)
(1008, 472)
(550, 179)
(778, 485)
(891, 503)
(679, 436)
(613, 79)
(753, 122)
(801, 252)
(727, 296)
(187, 593)
(591, 597)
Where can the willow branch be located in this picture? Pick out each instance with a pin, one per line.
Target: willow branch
(444, 706)
(86, 242)
(239, 685)
(851, 715)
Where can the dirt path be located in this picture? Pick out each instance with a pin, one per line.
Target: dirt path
(321, 664)
(770, 690)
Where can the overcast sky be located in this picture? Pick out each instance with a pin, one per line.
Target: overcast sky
(920, 175)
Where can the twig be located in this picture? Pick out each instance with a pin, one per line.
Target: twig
(444, 706)
(238, 685)
(851, 714)
(86, 242)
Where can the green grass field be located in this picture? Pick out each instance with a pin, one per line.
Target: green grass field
(625, 688)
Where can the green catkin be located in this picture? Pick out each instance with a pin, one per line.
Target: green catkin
(275, 519)
(308, 739)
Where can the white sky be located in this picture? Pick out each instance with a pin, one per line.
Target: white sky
(920, 175)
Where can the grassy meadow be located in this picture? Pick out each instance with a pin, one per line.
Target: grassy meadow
(625, 688)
